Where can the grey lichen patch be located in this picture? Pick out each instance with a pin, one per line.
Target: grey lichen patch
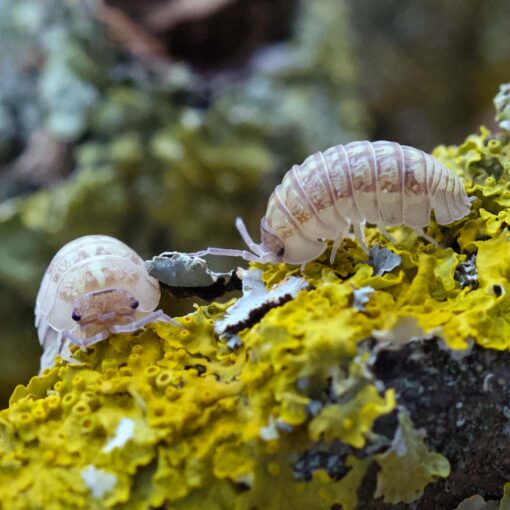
(186, 276)
(257, 300)
(180, 270)
(383, 260)
(328, 457)
(466, 273)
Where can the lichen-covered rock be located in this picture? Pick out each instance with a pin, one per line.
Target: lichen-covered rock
(316, 394)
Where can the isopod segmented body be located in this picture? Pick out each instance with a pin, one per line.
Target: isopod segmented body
(93, 286)
(381, 182)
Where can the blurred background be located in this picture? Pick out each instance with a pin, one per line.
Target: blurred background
(159, 121)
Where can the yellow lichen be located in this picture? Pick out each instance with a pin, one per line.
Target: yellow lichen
(185, 416)
(505, 501)
(476, 502)
(173, 417)
(408, 467)
(351, 421)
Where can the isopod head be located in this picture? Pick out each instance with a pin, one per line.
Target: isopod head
(292, 249)
(98, 311)
(273, 248)
(94, 286)
(271, 245)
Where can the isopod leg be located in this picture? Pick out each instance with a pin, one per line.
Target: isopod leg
(75, 340)
(386, 234)
(359, 233)
(95, 339)
(59, 346)
(158, 315)
(227, 252)
(241, 227)
(163, 317)
(420, 232)
(60, 341)
(334, 248)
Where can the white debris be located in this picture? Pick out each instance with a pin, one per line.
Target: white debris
(125, 431)
(257, 300)
(234, 343)
(98, 481)
(361, 297)
(405, 330)
(269, 432)
(487, 382)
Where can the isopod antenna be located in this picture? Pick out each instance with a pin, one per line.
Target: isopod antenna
(241, 228)
(256, 256)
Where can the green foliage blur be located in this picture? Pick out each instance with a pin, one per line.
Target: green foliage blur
(164, 147)
(94, 140)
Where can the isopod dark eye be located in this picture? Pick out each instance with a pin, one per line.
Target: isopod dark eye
(76, 317)
(280, 252)
(134, 305)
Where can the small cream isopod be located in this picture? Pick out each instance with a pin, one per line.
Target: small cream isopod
(94, 286)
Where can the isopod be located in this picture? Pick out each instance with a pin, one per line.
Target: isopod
(382, 183)
(95, 285)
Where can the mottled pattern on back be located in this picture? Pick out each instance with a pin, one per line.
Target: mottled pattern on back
(82, 268)
(382, 183)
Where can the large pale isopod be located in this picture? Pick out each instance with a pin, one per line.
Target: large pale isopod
(344, 187)
(94, 286)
